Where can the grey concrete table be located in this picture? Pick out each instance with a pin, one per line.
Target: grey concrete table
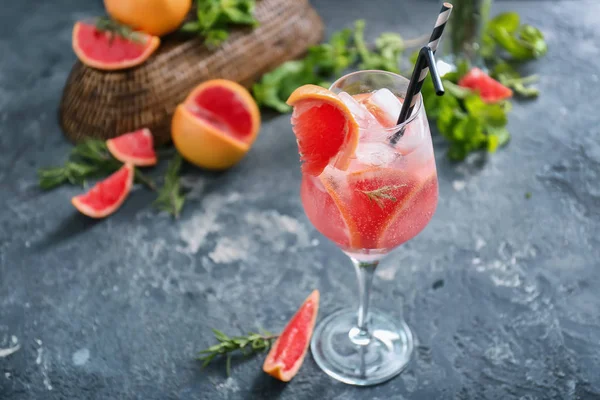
(503, 292)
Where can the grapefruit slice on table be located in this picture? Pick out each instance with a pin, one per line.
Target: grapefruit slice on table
(490, 90)
(216, 124)
(324, 127)
(108, 51)
(136, 148)
(106, 196)
(288, 351)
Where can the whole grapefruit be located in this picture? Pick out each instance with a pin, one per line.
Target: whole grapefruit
(156, 17)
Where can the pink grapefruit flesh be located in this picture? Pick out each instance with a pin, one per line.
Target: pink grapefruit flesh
(325, 129)
(288, 351)
(136, 148)
(103, 50)
(106, 196)
(490, 90)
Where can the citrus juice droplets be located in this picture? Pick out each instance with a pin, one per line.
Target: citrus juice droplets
(387, 194)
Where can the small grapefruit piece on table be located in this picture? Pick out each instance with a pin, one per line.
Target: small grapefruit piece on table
(106, 196)
(135, 148)
(324, 127)
(106, 50)
(216, 124)
(490, 90)
(288, 351)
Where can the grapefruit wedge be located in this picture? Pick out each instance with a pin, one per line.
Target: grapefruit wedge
(106, 196)
(105, 50)
(216, 124)
(490, 90)
(288, 351)
(324, 127)
(135, 148)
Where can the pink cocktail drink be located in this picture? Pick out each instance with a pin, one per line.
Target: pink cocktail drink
(387, 195)
(369, 185)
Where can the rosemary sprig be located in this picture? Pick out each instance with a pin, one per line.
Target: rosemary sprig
(382, 193)
(250, 344)
(114, 29)
(170, 196)
(89, 159)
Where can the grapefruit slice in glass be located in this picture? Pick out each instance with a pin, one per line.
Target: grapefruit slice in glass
(107, 51)
(106, 196)
(325, 129)
(288, 351)
(136, 148)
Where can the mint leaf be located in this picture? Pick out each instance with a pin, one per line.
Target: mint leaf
(521, 42)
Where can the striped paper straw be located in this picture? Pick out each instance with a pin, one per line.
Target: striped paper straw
(434, 40)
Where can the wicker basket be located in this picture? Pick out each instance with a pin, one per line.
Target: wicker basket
(106, 104)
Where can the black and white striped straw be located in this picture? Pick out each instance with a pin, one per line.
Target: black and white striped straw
(426, 59)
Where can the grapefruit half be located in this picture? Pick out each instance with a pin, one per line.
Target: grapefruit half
(107, 51)
(324, 127)
(135, 148)
(216, 124)
(288, 351)
(490, 90)
(106, 196)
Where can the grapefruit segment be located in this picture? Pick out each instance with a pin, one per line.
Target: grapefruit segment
(324, 127)
(490, 90)
(106, 196)
(136, 148)
(216, 124)
(288, 351)
(378, 209)
(108, 51)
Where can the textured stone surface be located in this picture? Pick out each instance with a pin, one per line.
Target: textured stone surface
(501, 291)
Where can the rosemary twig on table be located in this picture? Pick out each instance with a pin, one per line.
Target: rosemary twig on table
(247, 345)
(89, 159)
(170, 197)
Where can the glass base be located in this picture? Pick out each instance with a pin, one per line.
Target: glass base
(377, 359)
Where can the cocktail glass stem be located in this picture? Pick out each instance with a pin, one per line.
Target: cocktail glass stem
(360, 334)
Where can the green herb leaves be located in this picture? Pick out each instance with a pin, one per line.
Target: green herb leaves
(89, 159)
(170, 197)
(214, 18)
(465, 119)
(344, 49)
(249, 344)
(520, 42)
(116, 29)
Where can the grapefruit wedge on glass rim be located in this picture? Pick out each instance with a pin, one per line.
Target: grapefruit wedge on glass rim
(216, 124)
(136, 148)
(109, 51)
(106, 196)
(288, 351)
(325, 129)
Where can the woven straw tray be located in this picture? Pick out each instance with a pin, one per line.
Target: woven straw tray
(103, 104)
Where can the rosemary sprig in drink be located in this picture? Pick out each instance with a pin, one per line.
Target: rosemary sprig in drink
(383, 193)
